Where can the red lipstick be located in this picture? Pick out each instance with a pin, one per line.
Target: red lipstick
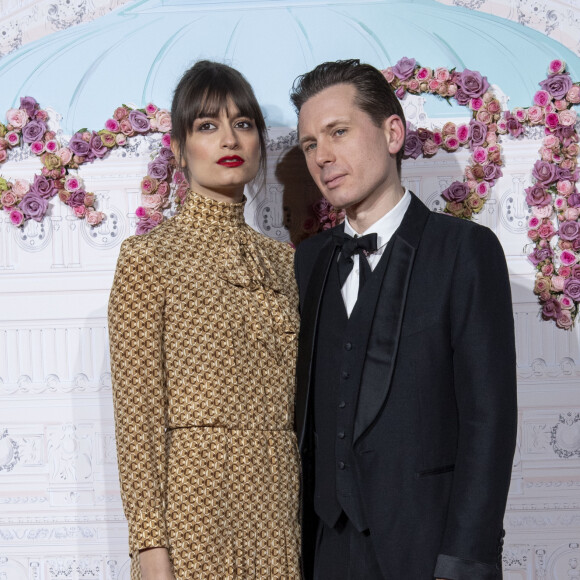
(231, 161)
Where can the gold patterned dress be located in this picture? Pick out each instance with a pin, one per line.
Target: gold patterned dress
(203, 326)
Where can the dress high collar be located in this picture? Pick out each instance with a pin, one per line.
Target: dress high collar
(199, 210)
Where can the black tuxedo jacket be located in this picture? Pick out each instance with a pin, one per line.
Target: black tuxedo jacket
(436, 417)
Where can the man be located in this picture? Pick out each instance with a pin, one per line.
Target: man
(406, 395)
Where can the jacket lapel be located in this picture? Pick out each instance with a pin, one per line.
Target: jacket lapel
(308, 326)
(384, 328)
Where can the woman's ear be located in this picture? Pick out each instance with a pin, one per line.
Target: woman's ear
(394, 133)
(175, 150)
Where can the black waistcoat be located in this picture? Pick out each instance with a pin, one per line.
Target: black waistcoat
(335, 399)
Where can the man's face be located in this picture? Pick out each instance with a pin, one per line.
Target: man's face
(351, 159)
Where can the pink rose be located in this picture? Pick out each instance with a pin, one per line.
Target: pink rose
(149, 185)
(121, 113)
(437, 138)
(560, 203)
(480, 155)
(413, 85)
(551, 141)
(112, 125)
(20, 188)
(451, 89)
(482, 189)
(494, 106)
(442, 75)
(449, 129)
(8, 199)
(163, 188)
(41, 115)
(546, 154)
(430, 148)
(451, 143)
(548, 269)
(552, 120)
(152, 201)
(542, 285)
(567, 117)
(557, 66)
(546, 230)
(163, 119)
(571, 213)
(179, 177)
(564, 320)
(534, 222)
(141, 212)
(89, 199)
(572, 150)
(542, 98)
(17, 118)
(463, 133)
(564, 271)
(533, 235)
(567, 302)
(37, 147)
(476, 104)
(483, 117)
(79, 211)
(153, 124)
(560, 104)
(94, 218)
(156, 217)
(16, 217)
(65, 155)
(72, 184)
(423, 73)
(535, 115)
(13, 138)
(121, 139)
(558, 283)
(567, 258)
(491, 137)
(434, 85)
(442, 90)
(151, 109)
(166, 140)
(126, 127)
(502, 127)
(568, 164)
(51, 146)
(520, 114)
(573, 95)
(389, 74)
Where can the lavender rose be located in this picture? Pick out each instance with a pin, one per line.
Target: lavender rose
(492, 172)
(478, 133)
(98, 148)
(551, 309)
(77, 198)
(79, 146)
(574, 200)
(29, 105)
(544, 172)
(33, 131)
(42, 187)
(571, 287)
(404, 68)
(514, 126)
(33, 206)
(537, 195)
(462, 98)
(565, 174)
(413, 145)
(139, 121)
(165, 154)
(157, 169)
(457, 191)
(144, 226)
(472, 83)
(569, 230)
(575, 272)
(557, 85)
(540, 254)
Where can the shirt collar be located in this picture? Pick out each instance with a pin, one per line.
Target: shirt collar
(386, 226)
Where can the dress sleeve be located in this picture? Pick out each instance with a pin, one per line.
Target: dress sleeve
(135, 334)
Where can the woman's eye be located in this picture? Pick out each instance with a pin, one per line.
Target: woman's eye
(206, 126)
(244, 125)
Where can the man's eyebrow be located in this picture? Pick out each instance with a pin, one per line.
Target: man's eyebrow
(328, 127)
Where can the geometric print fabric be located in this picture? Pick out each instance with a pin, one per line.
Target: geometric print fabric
(203, 324)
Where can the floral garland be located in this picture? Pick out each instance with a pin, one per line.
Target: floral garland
(556, 253)
(27, 125)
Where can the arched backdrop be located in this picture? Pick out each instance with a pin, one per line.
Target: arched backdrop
(60, 510)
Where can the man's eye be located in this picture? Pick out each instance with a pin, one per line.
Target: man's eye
(309, 147)
(340, 132)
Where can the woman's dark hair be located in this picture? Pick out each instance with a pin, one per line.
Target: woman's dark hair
(374, 95)
(204, 91)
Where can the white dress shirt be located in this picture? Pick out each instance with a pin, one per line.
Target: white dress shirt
(385, 227)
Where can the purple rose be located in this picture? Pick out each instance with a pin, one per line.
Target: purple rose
(540, 254)
(551, 309)
(457, 191)
(144, 226)
(544, 172)
(98, 148)
(563, 173)
(33, 206)
(538, 196)
(42, 187)
(478, 133)
(491, 172)
(77, 198)
(165, 154)
(575, 272)
(574, 200)
(576, 244)
(413, 145)
(462, 98)
(571, 287)
(29, 105)
(514, 126)
(33, 131)
(404, 68)
(139, 121)
(563, 132)
(472, 83)
(157, 169)
(557, 85)
(79, 146)
(569, 230)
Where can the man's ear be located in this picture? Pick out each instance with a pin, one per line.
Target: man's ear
(395, 133)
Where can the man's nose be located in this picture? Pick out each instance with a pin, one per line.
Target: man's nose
(324, 153)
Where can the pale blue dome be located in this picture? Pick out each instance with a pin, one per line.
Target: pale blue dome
(137, 53)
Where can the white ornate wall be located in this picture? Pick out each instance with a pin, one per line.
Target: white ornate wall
(60, 510)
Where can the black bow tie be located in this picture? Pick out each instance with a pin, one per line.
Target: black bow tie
(349, 247)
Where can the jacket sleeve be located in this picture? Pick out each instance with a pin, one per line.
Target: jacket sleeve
(484, 364)
(135, 335)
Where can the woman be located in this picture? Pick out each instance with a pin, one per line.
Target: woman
(202, 322)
